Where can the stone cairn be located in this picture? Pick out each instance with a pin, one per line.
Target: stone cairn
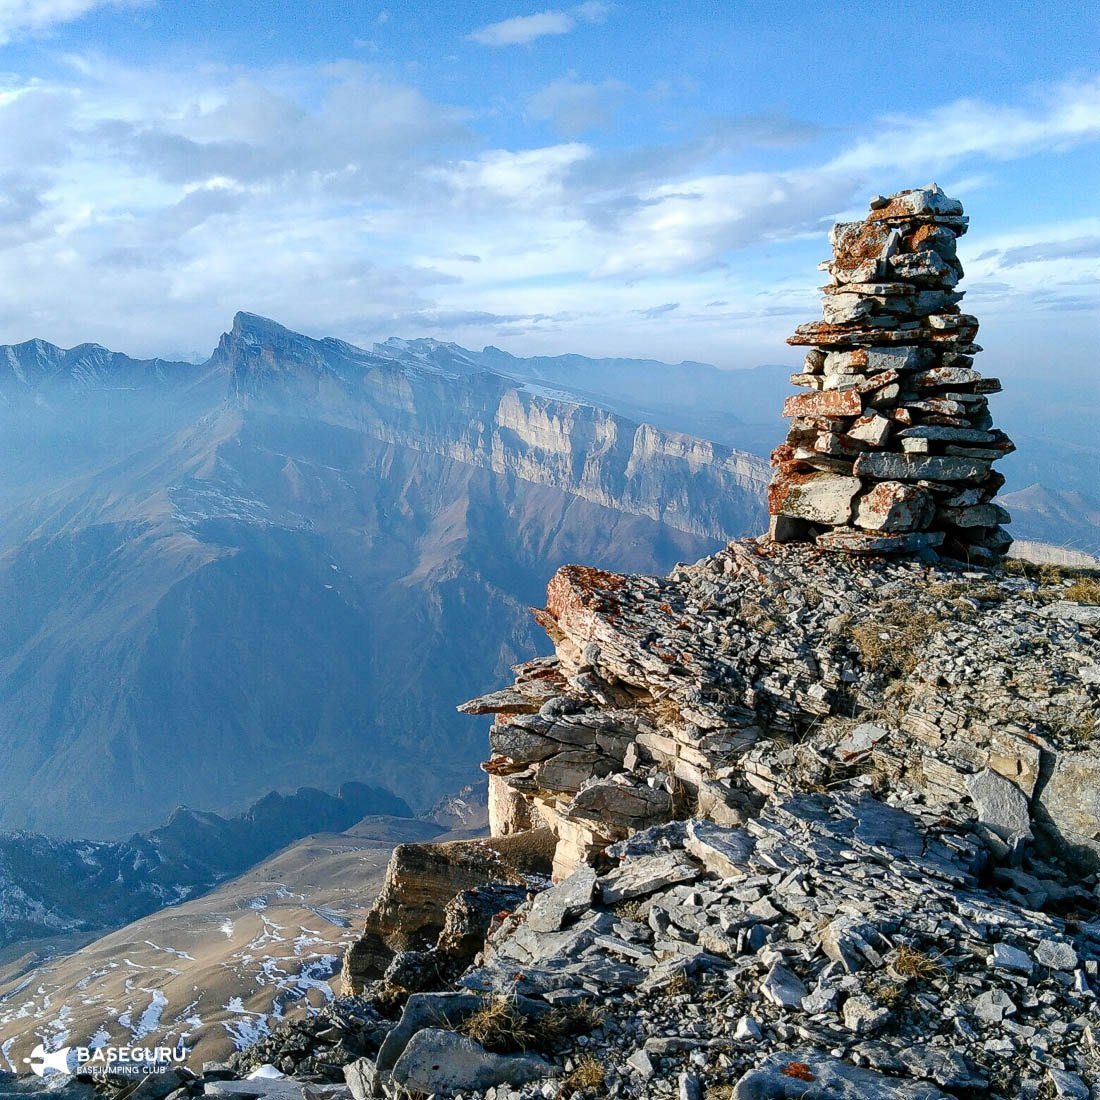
(892, 448)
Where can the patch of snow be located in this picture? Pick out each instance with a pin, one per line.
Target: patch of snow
(171, 951)
(150, 1018)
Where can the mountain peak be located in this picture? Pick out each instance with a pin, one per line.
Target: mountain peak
(253, 328)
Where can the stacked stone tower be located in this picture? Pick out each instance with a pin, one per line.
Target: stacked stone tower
(891, 450)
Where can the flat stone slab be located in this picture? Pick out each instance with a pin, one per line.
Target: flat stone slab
(554, 908)
(1001, 806)
(438, 1061)
(915, 467)
(723, 852)
(637, 877)
(810, 1076)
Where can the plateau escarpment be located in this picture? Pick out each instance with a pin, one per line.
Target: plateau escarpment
(259, 566)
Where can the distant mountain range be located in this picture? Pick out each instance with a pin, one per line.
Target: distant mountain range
(50, 887)
(288, 564)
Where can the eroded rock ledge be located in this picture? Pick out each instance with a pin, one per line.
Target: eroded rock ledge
(770, 668)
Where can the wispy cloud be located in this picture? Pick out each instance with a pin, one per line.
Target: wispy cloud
(341, 197)
(1061, 117)
(19, 17)
(522, 29)
(1077, 248)
(573, 107)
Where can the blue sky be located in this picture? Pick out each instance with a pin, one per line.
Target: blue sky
(646, 179)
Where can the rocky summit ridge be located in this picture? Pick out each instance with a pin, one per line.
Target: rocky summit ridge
(822, 826)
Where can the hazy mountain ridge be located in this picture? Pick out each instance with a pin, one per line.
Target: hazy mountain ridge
(259, 565)
(50, 886)
(257, 571)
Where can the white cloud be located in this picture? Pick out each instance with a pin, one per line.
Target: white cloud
(572, 106)
(141, 208)
(691, 223)
(531, 178)
(522, 29)
(29, 16)
(1065, 116)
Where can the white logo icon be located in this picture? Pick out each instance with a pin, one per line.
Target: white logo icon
(40, 1062)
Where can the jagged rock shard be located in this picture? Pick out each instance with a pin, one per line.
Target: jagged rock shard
(896, 424)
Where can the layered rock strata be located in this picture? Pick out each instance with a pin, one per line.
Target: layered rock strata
(411, 914)
(893, 447)
(765, 666)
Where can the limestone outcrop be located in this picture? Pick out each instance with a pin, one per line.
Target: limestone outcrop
(415, 911)
(823, 825)
(893, 448)
(770, 666)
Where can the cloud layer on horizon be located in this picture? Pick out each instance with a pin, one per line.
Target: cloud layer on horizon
(142, 207)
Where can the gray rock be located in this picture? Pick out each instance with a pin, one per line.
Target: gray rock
(807, 1075)
(783, 987)
(689, 1087)
(862, 1015)
(1057, 954)
(641, 1064)
(914, 467)
(1006, 957)
(747, 1030)
(723, 852)
(637, 877)
(1071, 612)
(424, 1010)
(993, 1006)
(1001, 805)
(156, 1086)
(847, 940)
(283, 1088)
(441, 1062)
(945, 1067)
(860, 739)
(554, 908)
(822, 999)
(362, 1078)
(1068, 1086)
(824, 499)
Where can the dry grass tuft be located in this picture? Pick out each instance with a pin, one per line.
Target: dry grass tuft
(1086, 590)
(587, 1075)
(890, 641)
(908, 962)
(678, 984)
(500, 1026)
(497, 1025)
(886, 993)
(634, 909)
